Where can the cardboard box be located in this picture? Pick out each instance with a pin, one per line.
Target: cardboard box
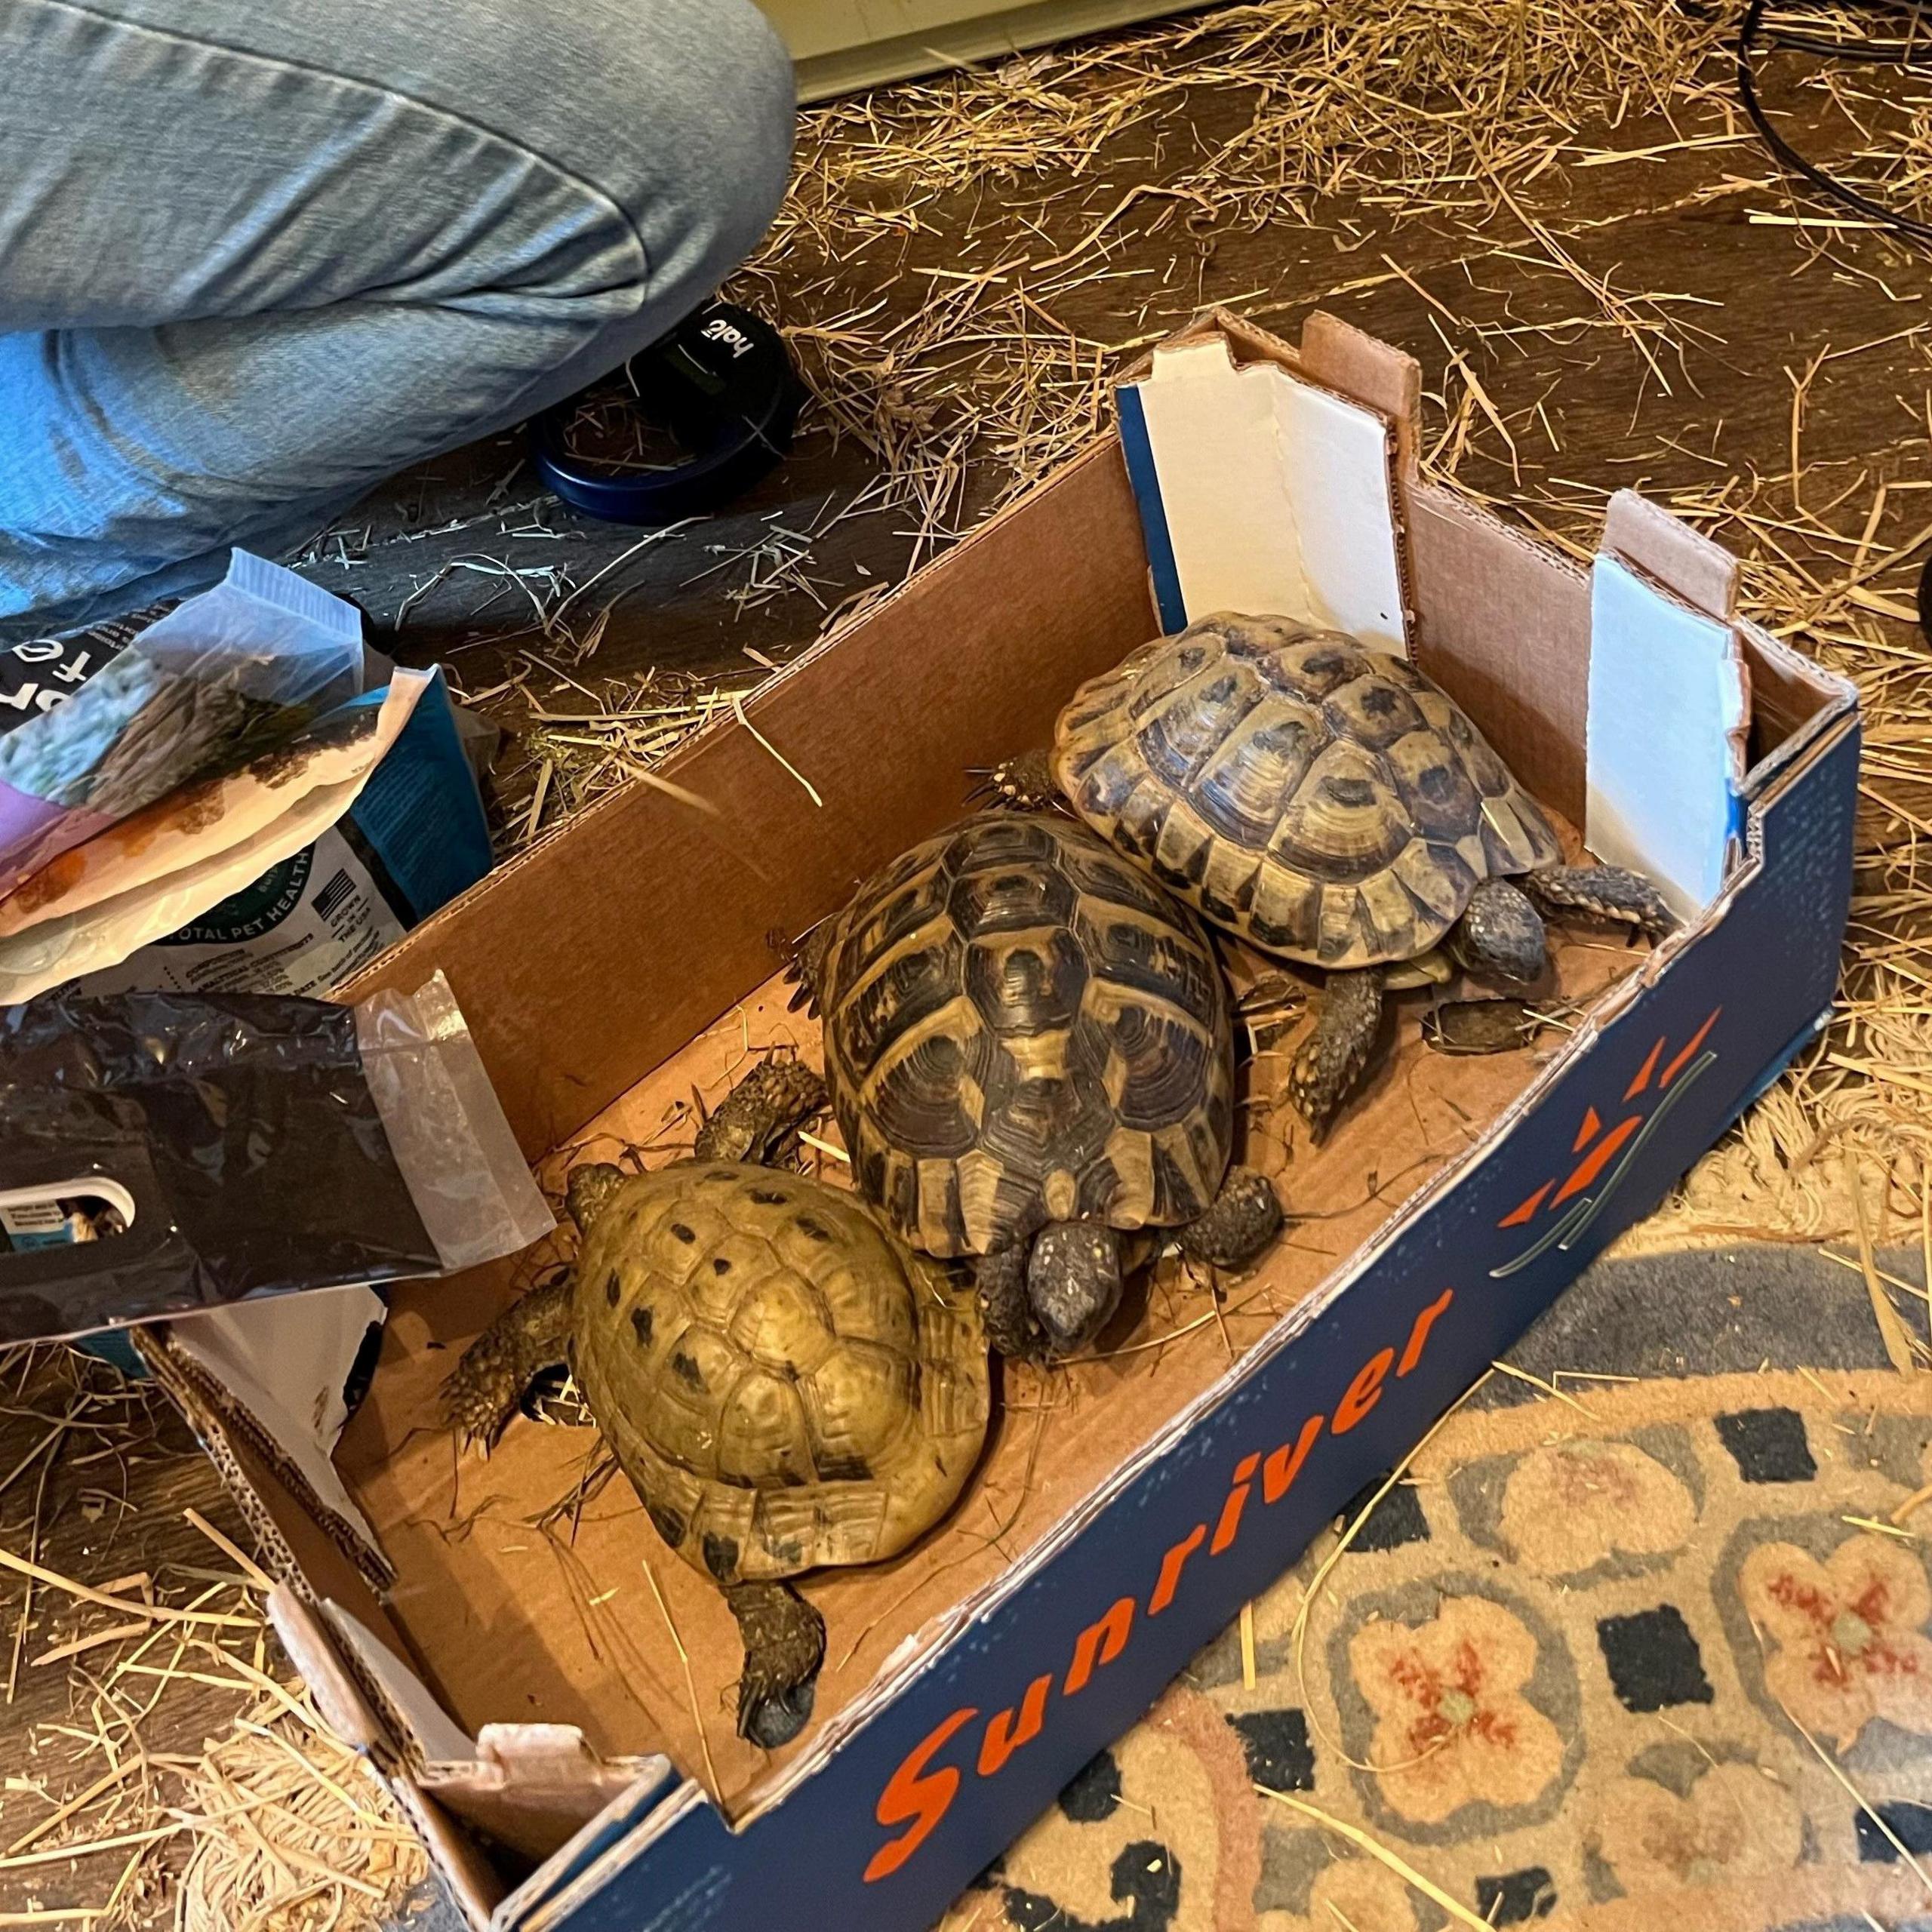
(518, 1683)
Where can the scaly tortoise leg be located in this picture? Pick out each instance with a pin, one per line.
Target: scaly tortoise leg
(1332, 1058)
(484, 1388)
(1000, 1280)
(1244, 1218)
(1024, 784)
(784, 1640)
(755, 1119)
(1608, 891)
(1500, 934)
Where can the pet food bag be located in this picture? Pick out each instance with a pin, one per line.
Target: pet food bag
(220, 679)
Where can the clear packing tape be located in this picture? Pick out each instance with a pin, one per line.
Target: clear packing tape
(164, 1152)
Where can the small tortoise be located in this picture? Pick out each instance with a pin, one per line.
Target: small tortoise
(788, 1386)
(1031, 1054)
(1327, 803)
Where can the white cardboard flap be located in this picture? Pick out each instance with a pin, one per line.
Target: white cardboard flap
(285, 1361)
(1265, 494)
(1669, 717)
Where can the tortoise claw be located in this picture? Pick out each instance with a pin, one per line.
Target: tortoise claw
(770, 1721)
(1023, 784)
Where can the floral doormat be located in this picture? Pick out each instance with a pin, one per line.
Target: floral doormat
(1643, 1653)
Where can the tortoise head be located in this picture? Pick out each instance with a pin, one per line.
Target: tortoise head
(589, 1191)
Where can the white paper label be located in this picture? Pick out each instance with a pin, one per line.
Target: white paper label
(1669, 709)
(35, 1224)
(302, 929)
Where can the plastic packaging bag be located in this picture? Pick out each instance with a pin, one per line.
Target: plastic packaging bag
(415, 837)
(141, 881)
(221, 678)
(203, 1149)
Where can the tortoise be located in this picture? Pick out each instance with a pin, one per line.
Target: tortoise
(787, 1386)
(1030, 1050)
(1327, 803)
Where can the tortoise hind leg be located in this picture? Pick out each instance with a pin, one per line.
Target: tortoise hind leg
(784, 1639)
(1245, 1217)
(1332, 1058)
(753, 1121)
(1609, 891)
(531, 1335)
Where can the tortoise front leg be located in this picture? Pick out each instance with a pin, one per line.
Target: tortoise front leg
(1609, 891)
(1332, 1058)
(784, 1639)
(1000, 1280)
(1245, 1217)
(753, 1121)
(484, 1388)
(1500, 934)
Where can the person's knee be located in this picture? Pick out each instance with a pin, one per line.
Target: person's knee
(706, 162)
(650, 140)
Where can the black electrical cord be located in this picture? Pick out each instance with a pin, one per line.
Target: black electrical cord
(1751, 34)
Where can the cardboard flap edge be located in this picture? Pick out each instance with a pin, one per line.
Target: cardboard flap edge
(1691, 566)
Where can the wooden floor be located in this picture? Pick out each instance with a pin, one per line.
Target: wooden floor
(1555, 367)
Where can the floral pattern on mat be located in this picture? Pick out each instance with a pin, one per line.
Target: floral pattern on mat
(1450, 1717)
(1845, 1636)
(1577, 1671)
(1568, 1507)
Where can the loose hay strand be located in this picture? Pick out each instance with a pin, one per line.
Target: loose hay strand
(1899, 1846)
(691, 1681)
(811, 790)
(1366, 1841)
(1891, 1330)
(153, 1612)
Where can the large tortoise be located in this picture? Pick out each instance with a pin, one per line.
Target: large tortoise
(1326, 802)
(1030, 1050)
(788, 1386)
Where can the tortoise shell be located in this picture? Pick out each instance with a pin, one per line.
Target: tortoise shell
(1326, 802)
(787, 1386)
(1021, 1027)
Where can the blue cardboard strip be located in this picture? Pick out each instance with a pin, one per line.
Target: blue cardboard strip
(420, 814)
(1145, 479)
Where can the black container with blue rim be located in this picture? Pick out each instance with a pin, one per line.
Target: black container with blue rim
(722, 385)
